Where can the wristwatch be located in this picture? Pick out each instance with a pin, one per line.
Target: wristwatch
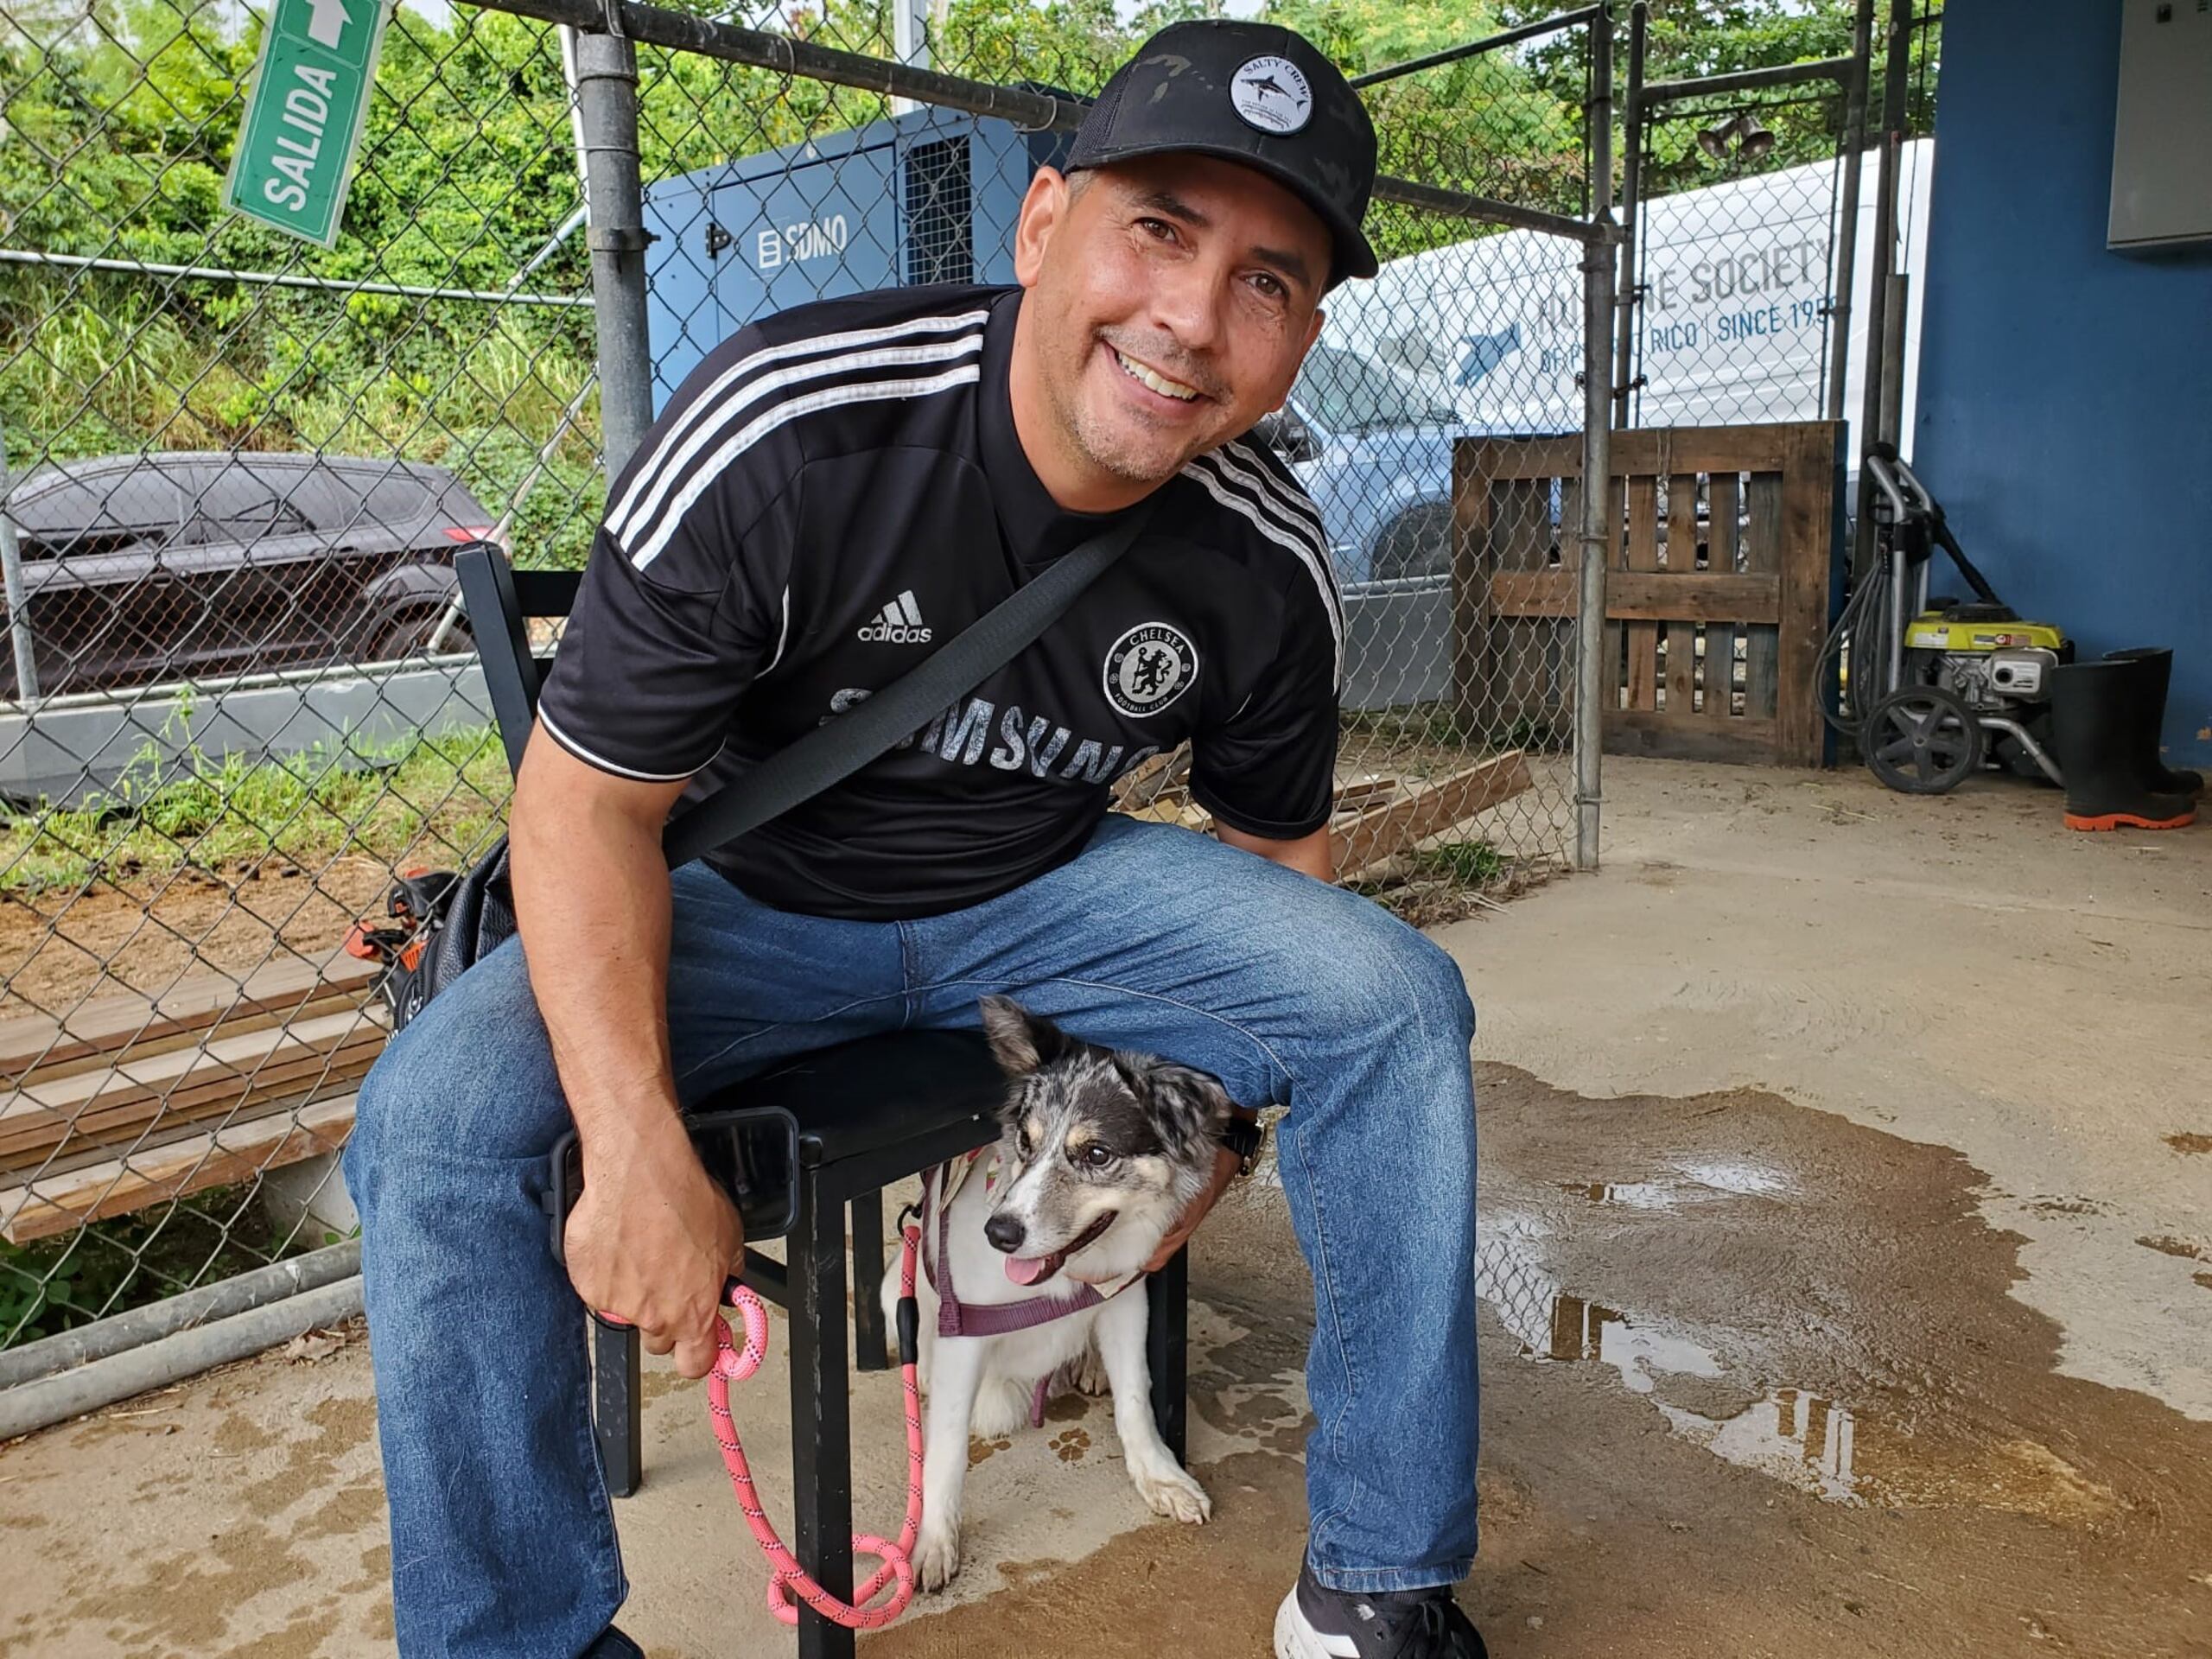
(1244, 1136)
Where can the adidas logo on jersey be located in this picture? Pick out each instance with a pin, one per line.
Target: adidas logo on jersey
(898, 623)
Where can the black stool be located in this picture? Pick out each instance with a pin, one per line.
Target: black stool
(869, 1113)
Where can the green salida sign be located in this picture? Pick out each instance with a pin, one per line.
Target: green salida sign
(294, 157)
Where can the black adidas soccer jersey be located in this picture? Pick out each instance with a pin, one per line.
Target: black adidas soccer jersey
(838, 490)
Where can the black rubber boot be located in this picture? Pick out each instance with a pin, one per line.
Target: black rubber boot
(2155, 666)
(2096, 714)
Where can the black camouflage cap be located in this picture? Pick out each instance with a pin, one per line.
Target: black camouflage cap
(1251, 92)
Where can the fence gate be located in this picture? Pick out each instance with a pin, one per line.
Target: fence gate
(1710, 638)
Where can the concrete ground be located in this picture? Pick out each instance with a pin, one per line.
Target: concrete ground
(1848, 1262)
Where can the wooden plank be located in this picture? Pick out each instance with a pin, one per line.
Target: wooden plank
(185, 1083)
(1473, 510)
(1662, 450)
(1681, 562)
(1762, 555)
(1679, 557)
(236, 1152)
(159, 1074)
(1652, 597)
(44, 1045)
(28, 1146)
(1807, 554)
(1523, 542)
(334, 1000)
(1425, 810)
(1742, 741)
(1500, 458)
(1723, 491)
(1643, 554)
(1557, 714)
(1363, 792)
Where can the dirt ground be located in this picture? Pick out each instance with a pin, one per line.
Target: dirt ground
(60, 949)
(1847, 1266)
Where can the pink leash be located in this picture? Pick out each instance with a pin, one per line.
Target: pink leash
(787, 1577)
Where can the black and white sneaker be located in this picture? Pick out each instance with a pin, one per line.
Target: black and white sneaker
(1315, 1622)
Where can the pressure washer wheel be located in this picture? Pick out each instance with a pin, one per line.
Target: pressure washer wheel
(1922, 740)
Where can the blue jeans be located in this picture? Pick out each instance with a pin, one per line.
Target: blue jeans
(1154, 938)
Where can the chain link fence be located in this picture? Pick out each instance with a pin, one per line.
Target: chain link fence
(237, 467)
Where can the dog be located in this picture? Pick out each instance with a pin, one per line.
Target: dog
(1101, 1152)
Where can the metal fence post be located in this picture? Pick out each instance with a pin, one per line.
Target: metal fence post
(1597, 278)
(11, 565)
(1896, 83)
(606, 102)
(1847, 234)
(1629, 284)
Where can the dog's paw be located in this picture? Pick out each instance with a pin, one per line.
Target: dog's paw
(1170, 1491)
(937, 1557)
(1090, 1375)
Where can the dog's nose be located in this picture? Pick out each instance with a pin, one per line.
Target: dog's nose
(1005, 1233)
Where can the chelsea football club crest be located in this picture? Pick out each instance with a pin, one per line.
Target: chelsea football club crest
(1149, 668)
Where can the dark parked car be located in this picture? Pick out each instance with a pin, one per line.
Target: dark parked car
(192, 564)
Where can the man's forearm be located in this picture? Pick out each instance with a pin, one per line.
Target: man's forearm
(592, 903)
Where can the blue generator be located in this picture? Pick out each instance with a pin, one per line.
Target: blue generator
(930, 196)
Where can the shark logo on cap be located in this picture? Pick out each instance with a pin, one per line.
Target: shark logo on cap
(1272, 95)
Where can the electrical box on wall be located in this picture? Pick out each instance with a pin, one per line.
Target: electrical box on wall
(930, 196)
(2161, 176)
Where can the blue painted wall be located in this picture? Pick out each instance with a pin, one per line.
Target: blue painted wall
(2065, 417)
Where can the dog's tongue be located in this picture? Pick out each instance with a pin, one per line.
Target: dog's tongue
(1029, 1269)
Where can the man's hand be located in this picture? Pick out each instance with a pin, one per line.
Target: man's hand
(1225, 1166)
(652, 1239)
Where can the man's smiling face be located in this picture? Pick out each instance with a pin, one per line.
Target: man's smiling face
(1171, 300)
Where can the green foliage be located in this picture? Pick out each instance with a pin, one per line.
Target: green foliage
(121, 115)
(54, 1286)
(1470, 863)
(164, 814)
(117, 137)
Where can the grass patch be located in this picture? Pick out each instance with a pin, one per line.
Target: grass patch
(1471, 863)
(164, 814)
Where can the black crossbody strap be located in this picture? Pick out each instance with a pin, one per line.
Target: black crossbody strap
(841, 746)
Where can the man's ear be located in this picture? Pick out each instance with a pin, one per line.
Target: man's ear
(1043, 207)
(1021, 1041)
(1192, 1107)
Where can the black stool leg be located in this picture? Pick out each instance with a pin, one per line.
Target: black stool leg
(617, 1411)
(821, 1461)
(1168, 1347)
(869, 1353)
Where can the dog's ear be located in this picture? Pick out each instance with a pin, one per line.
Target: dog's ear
(1022, 1042)
(1190, 1106)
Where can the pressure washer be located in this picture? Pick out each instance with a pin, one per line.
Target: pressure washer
(1933, 689)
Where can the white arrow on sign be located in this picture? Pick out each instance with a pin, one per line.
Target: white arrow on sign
(327, 23)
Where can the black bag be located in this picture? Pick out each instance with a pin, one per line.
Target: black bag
(444, 923)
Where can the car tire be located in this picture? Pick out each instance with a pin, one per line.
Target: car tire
(1417, 544)
(405, 639)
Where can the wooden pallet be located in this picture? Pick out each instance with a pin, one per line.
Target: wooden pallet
(1384, 826)
(127, 1102)
(95, 1035)
(119, 1186)
(257, 1069)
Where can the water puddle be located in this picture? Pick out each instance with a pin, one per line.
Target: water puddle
(1789, 1433)
(1691, 1182)
(1835, 1451)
